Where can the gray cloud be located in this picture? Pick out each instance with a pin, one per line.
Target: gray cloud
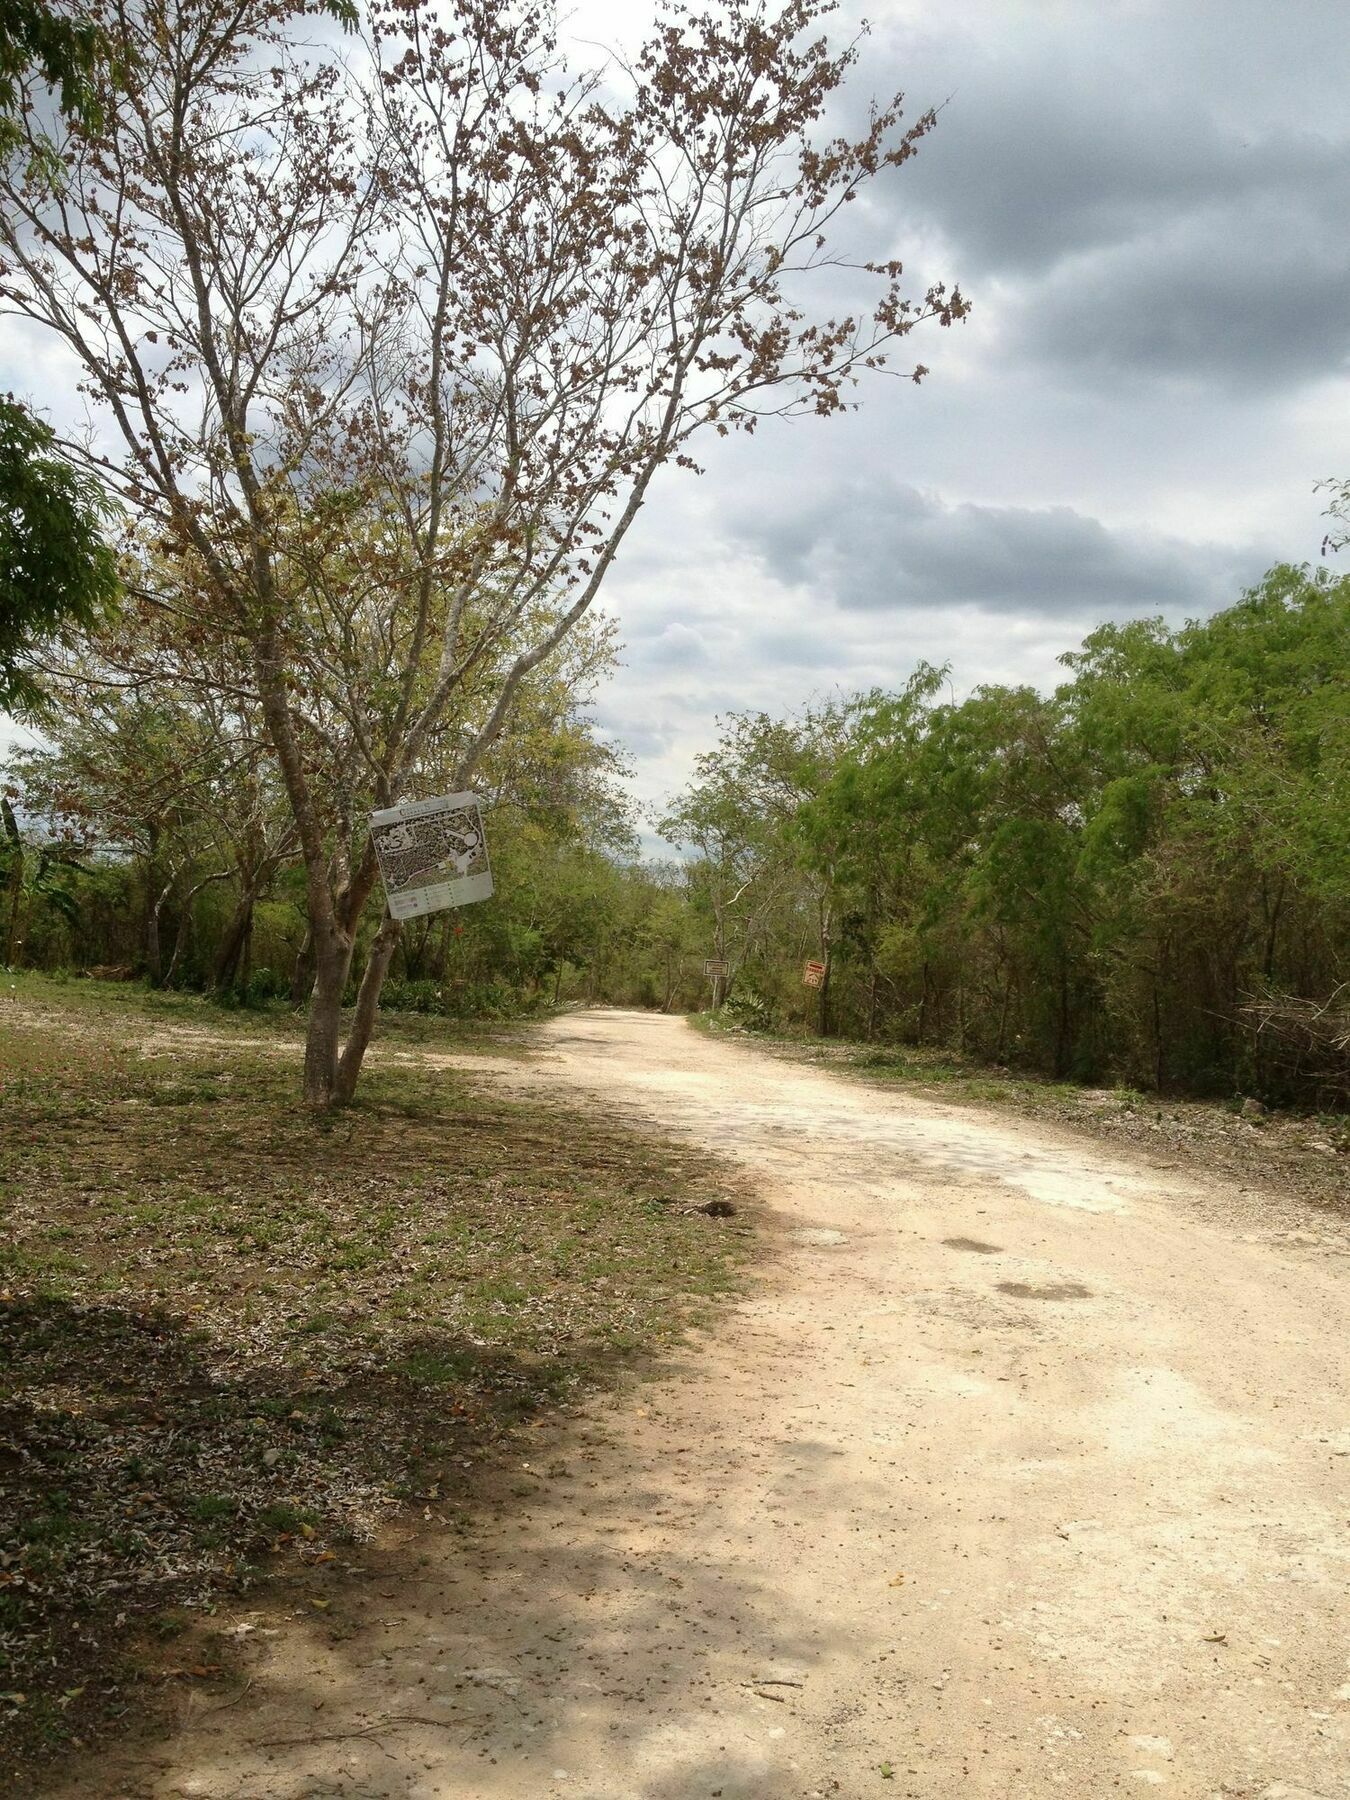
(1261, 302)
(1128, 208)
(880, 546)
(789, 647)
(1019, 178)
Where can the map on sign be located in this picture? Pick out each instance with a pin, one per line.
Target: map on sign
(814, 974)
(432, 854)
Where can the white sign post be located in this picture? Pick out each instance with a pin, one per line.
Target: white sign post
(432, 854)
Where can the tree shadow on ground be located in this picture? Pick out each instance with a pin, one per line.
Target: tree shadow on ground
(140, 1484)
(494, 1652)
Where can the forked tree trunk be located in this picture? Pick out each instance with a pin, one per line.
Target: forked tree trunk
(332, 1068)
(233, 945)
(185, 922)
(367, 1006)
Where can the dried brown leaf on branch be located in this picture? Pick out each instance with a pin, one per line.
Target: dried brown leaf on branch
(387, 350)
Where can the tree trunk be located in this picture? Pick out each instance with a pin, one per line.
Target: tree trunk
(720, 984)
(302, 971)
(154, 899)
(181, 936)
(246, 954)
(367, 1006)
(1062, 1024)
(232, 945)
(1002, 1047)
(153, 960)
(180, 941)
(10, 827)
(15, 903)
(826, 956)
(331, 964)
(154, 957)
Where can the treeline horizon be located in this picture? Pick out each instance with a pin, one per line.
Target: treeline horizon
(1141, 877)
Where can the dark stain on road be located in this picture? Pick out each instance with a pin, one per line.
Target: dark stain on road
(1050, 1290)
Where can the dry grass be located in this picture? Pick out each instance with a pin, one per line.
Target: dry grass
(237, 1338)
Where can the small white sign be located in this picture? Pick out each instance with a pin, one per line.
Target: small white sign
(432, 854)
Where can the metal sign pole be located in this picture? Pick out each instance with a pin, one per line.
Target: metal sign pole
(717, 968)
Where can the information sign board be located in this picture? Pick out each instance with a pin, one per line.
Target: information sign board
(432, 854)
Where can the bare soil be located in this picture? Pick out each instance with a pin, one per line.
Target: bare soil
(1025, 1470)
(1306, 1155)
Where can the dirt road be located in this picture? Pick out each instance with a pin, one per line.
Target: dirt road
(1023, 1471)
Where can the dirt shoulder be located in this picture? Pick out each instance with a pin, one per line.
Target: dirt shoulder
(1305, 1156)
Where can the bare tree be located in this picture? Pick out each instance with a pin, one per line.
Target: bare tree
(393, 351)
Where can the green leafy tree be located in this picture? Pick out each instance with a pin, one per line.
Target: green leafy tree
(56, 46)
(1145, 874)
(58, 574)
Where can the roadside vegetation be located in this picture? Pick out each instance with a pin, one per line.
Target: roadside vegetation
(1142, 878)
(132, 845)
(239, 1340)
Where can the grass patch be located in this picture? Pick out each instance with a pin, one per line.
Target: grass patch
(234, 1337)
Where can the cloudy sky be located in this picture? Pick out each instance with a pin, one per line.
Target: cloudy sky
(1147, 204)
